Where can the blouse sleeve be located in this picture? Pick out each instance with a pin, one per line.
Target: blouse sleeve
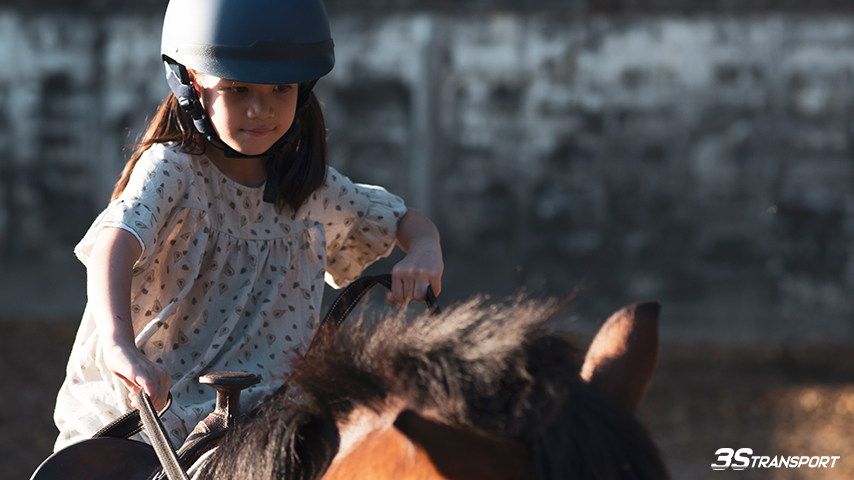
(156, 184)
(361, 226)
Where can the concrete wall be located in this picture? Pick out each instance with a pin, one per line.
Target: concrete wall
(703, 159)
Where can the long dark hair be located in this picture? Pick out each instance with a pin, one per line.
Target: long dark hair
(301, 164)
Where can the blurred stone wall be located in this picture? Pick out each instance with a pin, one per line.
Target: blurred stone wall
(699, 154)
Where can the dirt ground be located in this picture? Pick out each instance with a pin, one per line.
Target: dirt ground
(778, 400)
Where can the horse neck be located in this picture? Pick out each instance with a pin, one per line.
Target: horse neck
(363, 431)
(365, 422)
(395, 443)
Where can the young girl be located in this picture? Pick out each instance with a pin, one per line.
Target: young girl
(223, 225)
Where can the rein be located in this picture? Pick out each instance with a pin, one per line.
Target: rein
(353, 293)
(157, 434)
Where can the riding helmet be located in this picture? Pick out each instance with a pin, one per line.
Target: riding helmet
(253, 41)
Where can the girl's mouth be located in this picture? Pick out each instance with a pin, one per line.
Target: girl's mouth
(257, 132)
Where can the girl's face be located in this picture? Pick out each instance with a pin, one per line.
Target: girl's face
(248, 117)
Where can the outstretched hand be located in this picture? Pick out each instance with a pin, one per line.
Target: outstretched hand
(411, 276)
(137, 373)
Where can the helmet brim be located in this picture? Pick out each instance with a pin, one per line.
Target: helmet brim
(262, 62)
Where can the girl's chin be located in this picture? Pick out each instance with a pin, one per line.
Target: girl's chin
(251, 151)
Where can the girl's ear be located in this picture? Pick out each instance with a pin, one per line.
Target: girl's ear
(192, 75)
(194, 82)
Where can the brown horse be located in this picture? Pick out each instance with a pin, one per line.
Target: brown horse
(477, 392)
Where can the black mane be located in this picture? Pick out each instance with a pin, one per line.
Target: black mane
(493, 370)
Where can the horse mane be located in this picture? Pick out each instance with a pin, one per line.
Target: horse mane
(493, 369)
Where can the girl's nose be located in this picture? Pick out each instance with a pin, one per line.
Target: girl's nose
(260, 107)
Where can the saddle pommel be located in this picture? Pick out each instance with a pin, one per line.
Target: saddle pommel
(228, 386)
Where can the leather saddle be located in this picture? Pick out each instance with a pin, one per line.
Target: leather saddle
(111, 456)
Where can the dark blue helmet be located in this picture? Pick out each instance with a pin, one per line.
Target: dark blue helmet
(254, 41)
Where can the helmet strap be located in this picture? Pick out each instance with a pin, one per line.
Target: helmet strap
(179, 82)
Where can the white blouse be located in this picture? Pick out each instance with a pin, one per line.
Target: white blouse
(225, 282)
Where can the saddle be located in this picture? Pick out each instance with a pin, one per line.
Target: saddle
(111, 455)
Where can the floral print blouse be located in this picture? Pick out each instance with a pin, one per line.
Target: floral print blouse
(225, 282)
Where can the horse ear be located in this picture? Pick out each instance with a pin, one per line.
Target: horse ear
(624, 353)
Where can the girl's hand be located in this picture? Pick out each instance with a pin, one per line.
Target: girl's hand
(421, 267)
(137, 373)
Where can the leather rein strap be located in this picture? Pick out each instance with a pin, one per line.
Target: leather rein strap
(128, 424)
(350, 296)
(157, 434)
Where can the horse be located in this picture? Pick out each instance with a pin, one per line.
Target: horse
(483, 390)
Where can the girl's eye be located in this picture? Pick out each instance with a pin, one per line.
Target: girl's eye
(282, 88)
(237, 89)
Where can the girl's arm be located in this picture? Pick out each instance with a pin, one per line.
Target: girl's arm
(422, 266)
(110, 270)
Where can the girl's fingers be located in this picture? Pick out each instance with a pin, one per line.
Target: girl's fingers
(436, 283)
(132, 390)
(143, 384)
(157, 389)
(420, 290)
(395, 295)
(138, 373)
(165, 385)
(158, 402)
(127, 383)
(411, 277)
(408, 290)
(413, 288)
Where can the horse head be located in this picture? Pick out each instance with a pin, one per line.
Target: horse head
(480, 391)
